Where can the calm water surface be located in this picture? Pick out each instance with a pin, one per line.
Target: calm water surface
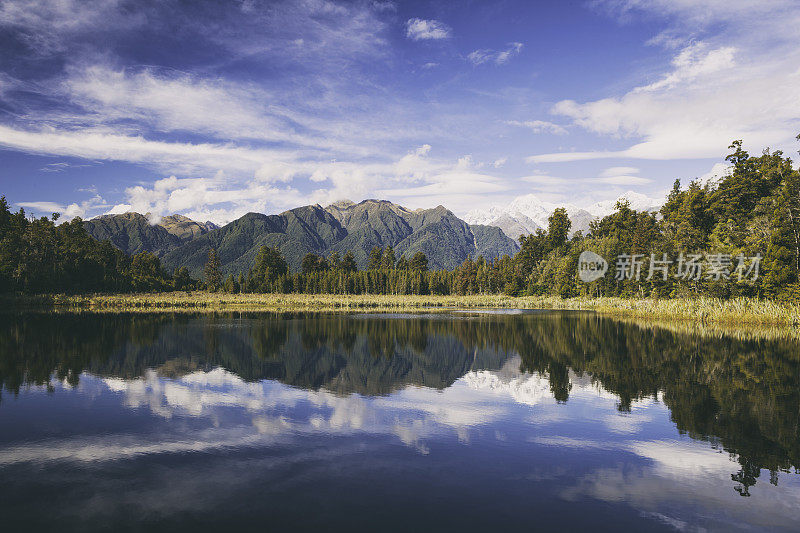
(468, 422)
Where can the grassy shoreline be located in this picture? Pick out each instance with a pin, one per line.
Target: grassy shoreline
(704, 310)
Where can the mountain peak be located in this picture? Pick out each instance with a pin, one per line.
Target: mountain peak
(177, 218)
(342, 204)
(128, 216)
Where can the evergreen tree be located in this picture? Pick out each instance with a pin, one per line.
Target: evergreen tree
(419, 262)
(335, 261)
(269, 267)
(181, 279)
(375, 259)
(388, 260)
(230, 286)
(558, 228)
(349, 263)
(212, 271)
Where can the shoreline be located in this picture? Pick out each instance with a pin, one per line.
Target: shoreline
(701, 310)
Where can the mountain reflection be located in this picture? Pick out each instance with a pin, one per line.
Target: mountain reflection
(740, 394)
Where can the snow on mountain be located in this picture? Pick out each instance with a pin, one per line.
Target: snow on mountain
(638, 202)
(525, 214)
(484, 217)
(535, 209)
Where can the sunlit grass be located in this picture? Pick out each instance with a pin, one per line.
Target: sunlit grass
(701, 310)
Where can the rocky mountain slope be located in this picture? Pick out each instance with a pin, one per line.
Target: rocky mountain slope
(185, 228)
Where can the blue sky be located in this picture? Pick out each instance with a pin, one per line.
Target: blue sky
(214, 109)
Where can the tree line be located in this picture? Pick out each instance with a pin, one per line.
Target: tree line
(753, 211)
(39, 256)
(334, 274)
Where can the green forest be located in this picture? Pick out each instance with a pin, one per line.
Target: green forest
(752, 212)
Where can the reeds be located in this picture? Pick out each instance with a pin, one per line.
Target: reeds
(700, 310)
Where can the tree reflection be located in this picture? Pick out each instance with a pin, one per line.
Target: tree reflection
(742, 394)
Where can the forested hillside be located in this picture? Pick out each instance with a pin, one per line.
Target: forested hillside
(37, 256)
(132, 233)
(752, 212)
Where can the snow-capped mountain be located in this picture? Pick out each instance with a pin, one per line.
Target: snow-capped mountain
(637, 201)
(525, 214)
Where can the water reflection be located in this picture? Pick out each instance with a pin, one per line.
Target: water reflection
(605, 396)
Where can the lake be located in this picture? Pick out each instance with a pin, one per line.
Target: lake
(545, 421)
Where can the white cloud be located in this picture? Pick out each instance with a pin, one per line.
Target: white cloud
(498, 57)
(613, 176)
(697, 15)
(55, 167)
(146, 100)
(215, 199)
(83, 209)
(384, 6)
(624, 180)
(42, 206)
(107, 145)
(692, 62)
(617, 171)
(421, 29)
(500, 162)
(539, 126)
(175, 101)
(44, 24)
(739, 82)
(718, 171)
(622, 176)
(416, 179)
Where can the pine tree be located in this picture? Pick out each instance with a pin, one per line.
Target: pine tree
(269, 266)
(212, 271)
(349, 263)
(375, 259)
(419, 262)
(230, 285)
(388, 261)
(558, 228)
(181, 279)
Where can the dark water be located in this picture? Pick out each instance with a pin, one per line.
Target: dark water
(526, 422)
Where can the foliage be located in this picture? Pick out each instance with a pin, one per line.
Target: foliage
(37, 256)
(212, 271)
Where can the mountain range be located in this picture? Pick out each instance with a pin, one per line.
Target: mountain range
(526, 214)
(341, 227)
